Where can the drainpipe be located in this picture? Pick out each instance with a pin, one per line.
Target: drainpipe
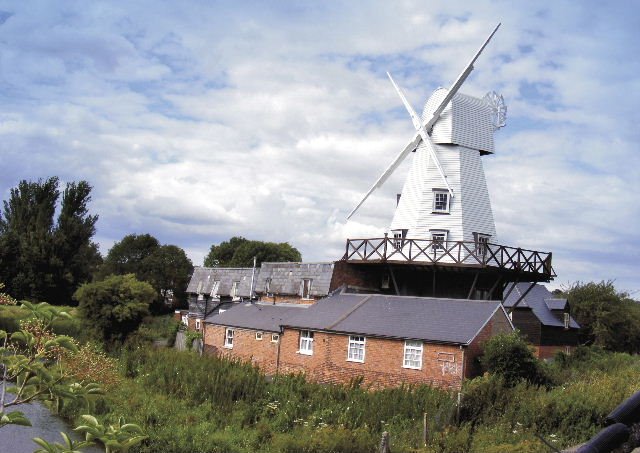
(278, 353)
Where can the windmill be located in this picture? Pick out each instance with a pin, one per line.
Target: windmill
(445, 196)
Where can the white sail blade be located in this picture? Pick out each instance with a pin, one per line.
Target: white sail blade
(417, 122)
(412, 145)
(458, 83)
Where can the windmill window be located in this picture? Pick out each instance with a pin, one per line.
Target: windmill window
(440, 201)
(228, 338)
(412, 354)
(398, 238)
(305, 288)
(482, 243)
(306, 342)
(438, 240)
(355, 352)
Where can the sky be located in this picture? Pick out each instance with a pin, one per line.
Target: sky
(196, 121)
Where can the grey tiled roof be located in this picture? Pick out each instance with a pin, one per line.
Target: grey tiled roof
(286, 277)
(256, 316)
(225, 275)
(420, 318)
(540, 300)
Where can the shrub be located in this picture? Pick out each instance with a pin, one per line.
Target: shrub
(509, 355)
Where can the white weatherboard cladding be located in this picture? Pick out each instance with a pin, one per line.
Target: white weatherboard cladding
(466, 121)
(476, 205)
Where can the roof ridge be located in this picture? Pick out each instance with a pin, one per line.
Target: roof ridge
(346, 315)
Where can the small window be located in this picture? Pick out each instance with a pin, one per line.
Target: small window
(438, 240)
(305, 288)
(200, 296)
(234, 290)
(398, 238)
(215, 288)
(412, 354)
(185, 320)
(306, 342)
(482, 242)
(198, 325)
(567, 320)
(228, 338)
(356, 349)
(267, 286)
(259, 336)
(441, 201)
(275, 338)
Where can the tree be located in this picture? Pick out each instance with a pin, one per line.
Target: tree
(166, 267)
(239, 252)
(115, 306)
(508, 355)
(44, 259)
(607, 317)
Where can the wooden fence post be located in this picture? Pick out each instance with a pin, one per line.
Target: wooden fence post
(425, 430)
(384, 443)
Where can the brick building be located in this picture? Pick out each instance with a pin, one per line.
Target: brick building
(385, 340)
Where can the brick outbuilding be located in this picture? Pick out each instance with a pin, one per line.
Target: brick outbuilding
(383, 340)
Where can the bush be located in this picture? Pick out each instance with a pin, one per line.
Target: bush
(508, 355)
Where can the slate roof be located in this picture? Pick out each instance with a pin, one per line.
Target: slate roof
(258, 316)
(286, 277)
(225, 275)
(418, 318)
(541, 301)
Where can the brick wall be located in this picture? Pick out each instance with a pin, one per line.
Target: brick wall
(288, 299)
(499, 323)
(382, 366)
(547, 352)
(262, 353)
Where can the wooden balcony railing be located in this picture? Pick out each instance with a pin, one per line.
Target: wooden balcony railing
(463, 253)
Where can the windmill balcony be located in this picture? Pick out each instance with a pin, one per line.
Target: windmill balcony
(461, 254)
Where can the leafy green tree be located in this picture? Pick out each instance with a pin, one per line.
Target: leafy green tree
(169, 270)
(508, 355)
(607, 317)
(239, 252)
(166, 267)
(41, 258)
(115, 306)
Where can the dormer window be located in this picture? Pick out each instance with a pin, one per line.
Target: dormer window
(438, 240)
(305, 288)
(567, 320)
(482, 241)
(214, 288)
(234, 291)
(441, 201)
(267, 286)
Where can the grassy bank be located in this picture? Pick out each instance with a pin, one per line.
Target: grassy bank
(190, 403)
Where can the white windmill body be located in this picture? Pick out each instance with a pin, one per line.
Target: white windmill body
(427, 209)
(445, 197)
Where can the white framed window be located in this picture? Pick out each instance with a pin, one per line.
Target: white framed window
(185, 320)
(259, 336)
(567, 320)
(412, 354)
(275, 337)
(482, 241)
(306, 342)
(305, 288)
(228, 338)
(267, 286)
(234, 290)
(441, 201)
(215, 288)
(398, 238)
(198, 325)
(355, 352)
(200, 296)
(438, 240)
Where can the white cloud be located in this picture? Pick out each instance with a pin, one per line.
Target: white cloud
(197, 122)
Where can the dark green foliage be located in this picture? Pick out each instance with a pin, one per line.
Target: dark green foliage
(508, 355)
(608, 318)
(166, 267)
(239, 252)
(41, 258)
(114, 307)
